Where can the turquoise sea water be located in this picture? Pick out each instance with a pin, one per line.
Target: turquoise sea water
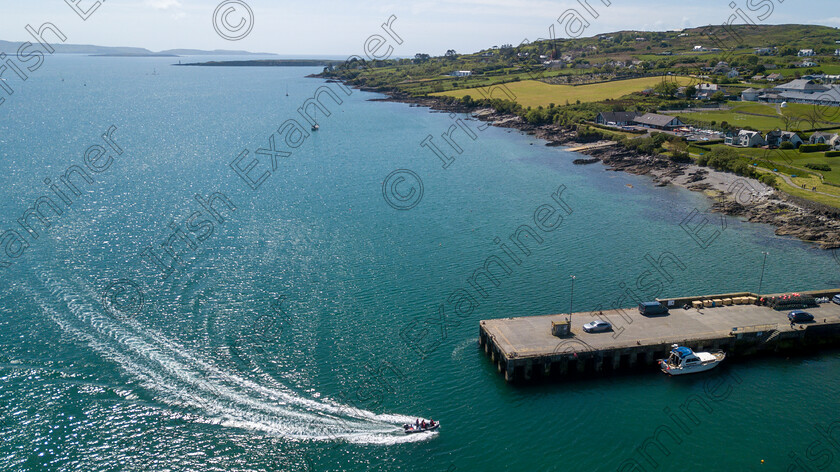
(292, 337)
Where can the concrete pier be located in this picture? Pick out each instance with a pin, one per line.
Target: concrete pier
(524, 348)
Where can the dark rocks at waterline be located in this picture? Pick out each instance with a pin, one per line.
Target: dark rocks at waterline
(789, 220)
(585, 161)
(697, 176)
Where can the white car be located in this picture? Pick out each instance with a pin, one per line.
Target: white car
(597, 326)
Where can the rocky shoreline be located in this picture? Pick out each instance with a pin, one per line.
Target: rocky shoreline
(731, 194)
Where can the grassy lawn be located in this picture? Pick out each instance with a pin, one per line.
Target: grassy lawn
(811, 181)
(736, 119)
(534, 93)
(736, 115)
(808, 194)
(790, 73)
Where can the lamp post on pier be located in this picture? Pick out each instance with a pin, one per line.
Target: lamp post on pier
(572, 298)
(761, 280)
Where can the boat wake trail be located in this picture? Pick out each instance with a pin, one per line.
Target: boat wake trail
(199, 390)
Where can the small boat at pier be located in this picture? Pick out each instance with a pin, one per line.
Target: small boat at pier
(685, 361)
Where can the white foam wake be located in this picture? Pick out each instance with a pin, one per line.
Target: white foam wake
(202, 391)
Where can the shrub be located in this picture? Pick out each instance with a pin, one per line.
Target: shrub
(814, 147)
(650, 145)
(786, 145)
(824, 167)
(832, 153)
(768, 179)
(680, 156)
(726, 159)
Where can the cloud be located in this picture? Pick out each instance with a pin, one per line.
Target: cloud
(163, 4)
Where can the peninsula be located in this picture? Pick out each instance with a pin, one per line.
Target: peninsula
(680, 106)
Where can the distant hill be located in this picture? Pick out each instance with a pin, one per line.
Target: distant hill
(12, 46)
(269, 63)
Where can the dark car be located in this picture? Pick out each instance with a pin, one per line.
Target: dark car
(799, 316)
(652, 308)
(597, 326)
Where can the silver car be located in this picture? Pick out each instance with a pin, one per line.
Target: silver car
(597, 326)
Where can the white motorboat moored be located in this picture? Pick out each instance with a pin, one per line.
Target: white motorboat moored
(685, 361)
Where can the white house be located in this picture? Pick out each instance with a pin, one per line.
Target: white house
(746, 138)
(750, 95)
(819, 138)
(805, 53)
(699, 48)
(777, 137)
(462, 73)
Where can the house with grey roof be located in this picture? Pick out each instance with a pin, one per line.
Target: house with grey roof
(750, 95)
(776, 137)
(653, 120)
(801, 85)
(745, 138)
(616, 118)
(819, 138)
(805, 91)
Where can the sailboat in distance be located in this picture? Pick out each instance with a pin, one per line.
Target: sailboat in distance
(315, 126)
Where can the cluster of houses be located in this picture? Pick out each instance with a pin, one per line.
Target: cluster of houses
(796, 91)
(747, 138)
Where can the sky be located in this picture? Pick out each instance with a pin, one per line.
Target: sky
(329, 27)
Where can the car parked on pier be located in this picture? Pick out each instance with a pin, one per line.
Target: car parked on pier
(836, 299)
(597, 326)
(652, 308)
(799, 316)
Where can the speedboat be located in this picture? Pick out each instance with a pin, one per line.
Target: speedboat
(685, 361)
(411, 428)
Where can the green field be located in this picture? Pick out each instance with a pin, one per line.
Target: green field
(737, 116)
(534, 93)
(790, 73)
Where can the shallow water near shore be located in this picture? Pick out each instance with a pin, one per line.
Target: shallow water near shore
(280, 341)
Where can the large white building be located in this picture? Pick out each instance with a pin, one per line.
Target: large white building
(799, 91)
